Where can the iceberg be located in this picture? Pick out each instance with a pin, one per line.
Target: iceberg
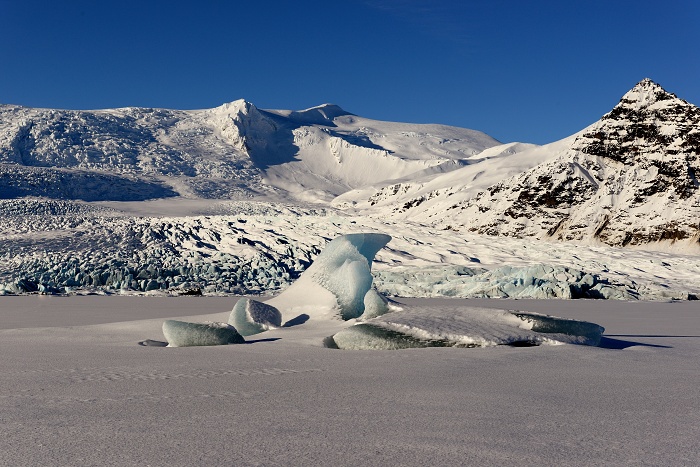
(184, 334)
(252, 317)
(339, 282)
(463, 327)
(339, 286)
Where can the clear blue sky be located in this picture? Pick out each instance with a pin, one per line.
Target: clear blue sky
(533, 71)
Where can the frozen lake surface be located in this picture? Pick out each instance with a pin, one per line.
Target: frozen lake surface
(77, 389)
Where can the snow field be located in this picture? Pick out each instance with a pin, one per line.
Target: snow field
(84, 393)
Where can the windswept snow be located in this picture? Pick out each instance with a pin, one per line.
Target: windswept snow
(82, 392)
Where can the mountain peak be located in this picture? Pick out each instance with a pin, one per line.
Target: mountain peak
(320, 115)
(237, 106)
(644, 94)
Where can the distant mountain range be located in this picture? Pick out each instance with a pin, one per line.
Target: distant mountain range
(235, 151)
(628, 179)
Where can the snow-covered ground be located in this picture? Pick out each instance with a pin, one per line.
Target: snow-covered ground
(77, 389)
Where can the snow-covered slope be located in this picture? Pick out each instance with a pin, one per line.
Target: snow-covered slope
(421, 197)
(229, 152)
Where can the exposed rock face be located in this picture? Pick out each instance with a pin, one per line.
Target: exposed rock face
(629, 179)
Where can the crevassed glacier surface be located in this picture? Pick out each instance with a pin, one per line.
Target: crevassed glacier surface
(534, 281)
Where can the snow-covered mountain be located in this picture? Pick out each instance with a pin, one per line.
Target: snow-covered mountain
(628, 179)
(230, 152)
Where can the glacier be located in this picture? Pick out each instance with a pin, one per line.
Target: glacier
(534, 281)
(254, 248)
(184, 334)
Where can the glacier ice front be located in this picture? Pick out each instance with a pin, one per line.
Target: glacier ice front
(339, 282)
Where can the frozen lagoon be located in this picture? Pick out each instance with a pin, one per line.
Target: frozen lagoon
(77, 389)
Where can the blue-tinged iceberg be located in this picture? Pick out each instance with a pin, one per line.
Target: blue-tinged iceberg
(338, 283)
(183, 334)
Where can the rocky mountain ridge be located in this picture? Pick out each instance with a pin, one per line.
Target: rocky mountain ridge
(629, 179)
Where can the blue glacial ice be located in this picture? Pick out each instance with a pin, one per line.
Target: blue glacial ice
(532, 281)
(252, 317)
(184, 334)
(339, 282)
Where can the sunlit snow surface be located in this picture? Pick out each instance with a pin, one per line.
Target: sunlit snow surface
(75, 389)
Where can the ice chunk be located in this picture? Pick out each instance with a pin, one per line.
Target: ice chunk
(375, 305)
(338, 280)
(252, 317)
(563, 329)
(183, 334)
(464, 327)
